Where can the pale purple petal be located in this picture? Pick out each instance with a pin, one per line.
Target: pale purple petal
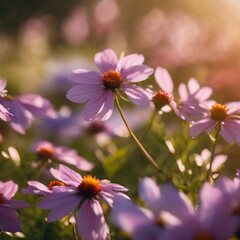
(233, 107)
(37, 105)
(218, 161)
(183, 92)
(3, 83)
(230, 130)
(193, 85)
(203, 94)
(106, 60)
(91, 224)
(8, 189)
(200, 126)
(80, 93)
(16, 204)
(9, 221)
(113, 187)
(60, 203)
(136, 94)
(5, 115)
(36, 188)
(136, 73)
(164, 79)
(87, 77)
(69, 176)
(149, 192)
(129, 61)
(99, 107)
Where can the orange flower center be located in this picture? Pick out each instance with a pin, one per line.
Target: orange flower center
(90, 187)
(1, 198)
(53, 184)
(111, 80)
(45, 152)
(205, 236)
(219, 112)
(161, 99)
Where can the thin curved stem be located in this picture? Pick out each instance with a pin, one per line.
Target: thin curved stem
(133, 136)
(75, 231)
(213, 152)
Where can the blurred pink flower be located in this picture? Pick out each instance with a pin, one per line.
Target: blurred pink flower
(225, 116)
(116, 75)
(47, 150)
(91, 224)
(9, 221)
(4, 113)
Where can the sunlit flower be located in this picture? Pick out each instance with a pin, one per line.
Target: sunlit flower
(24, 108)
(91, 224)
(9, 221)
(223, 115)
(46, 150)
(115, 76)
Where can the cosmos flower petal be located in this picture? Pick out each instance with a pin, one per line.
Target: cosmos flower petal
(230, 131)
(69, 176)
(193, 85)
(3, 84)
(136, 94)
(233, 107)
(8, 189)
(86, 77)
(136, 73)
(91, 224)
(129, 61)
(80, 93)
(164, 80)
(4, 114)
(203, 93)
(149, 192)
(9, 221)
(183, 92)
(106, 60)
(200, 126)
(99, 105)
(218, 161)
(35, 187)
(17, 204)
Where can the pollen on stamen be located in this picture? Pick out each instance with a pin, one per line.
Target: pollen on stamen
(111, 80)
(161, 99)
(53, 184)
(90, 187)
(219, 112)
(45, 152)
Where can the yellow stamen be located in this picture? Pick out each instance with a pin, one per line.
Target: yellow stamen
(111, 80)
(219, 112)
(90, 187)
(161, 99)
(53, 184)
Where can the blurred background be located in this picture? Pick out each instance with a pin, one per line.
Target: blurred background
(42, 41)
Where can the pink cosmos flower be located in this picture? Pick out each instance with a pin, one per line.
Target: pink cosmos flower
(115, 76)
(86, 191)
(46, 150)
(4, 113)
(167, 208)
(9, 221)
(24, 108)
(194, 99)
(223, 115)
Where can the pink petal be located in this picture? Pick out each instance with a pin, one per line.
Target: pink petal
(3, 84)
(17, 204)
(164, 79)
(84, 76)
(136, 73)
(218, 161)
(136, 94)
(230, 130)
(193, 85)
(200, 126)
(203, 94)
(69, 176)
(9, 221)
(106, 60)
(91, 224)
(183, 92)
(80, 93)
(99, 107)
(129, 61)
(8, 189)
(233, 107)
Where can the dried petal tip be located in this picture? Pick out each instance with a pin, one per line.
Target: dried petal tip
(53, 184)
(90, 187)
(161, 99)
(45, 152)
(219, 112)
(111, 80)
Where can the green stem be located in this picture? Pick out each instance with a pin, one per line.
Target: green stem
(133, 136)
(149, 125)
(75, 231)
(213, 152)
